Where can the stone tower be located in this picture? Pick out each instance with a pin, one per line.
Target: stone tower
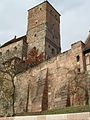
(43, 30)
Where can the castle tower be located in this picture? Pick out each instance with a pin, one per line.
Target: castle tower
(43, 30)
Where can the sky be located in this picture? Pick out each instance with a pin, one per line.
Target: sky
(75, 19)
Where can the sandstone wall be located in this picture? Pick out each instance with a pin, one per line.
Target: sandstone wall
(44, 30)
(12, 50)
(87, 56)
(57, 76)
(36, 28)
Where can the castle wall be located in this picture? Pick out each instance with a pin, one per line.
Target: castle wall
(58, 68)
(12, 50)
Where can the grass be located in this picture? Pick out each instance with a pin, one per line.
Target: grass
(67, 110)
(78, 109)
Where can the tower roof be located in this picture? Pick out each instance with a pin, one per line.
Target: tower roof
(43, 3)
(87, 42)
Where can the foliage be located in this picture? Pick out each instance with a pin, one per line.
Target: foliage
(34, 58)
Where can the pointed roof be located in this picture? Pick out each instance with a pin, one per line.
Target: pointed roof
(87, 42)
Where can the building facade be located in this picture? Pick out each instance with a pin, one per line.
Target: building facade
(48, 78)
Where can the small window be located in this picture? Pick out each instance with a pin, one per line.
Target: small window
(7, 52)
(49, 46)
(15, 48)
(53, 51)
(35, 35)
(0, 53)
(78, 58)
(78, 70)
(40, 8)
(34, 48)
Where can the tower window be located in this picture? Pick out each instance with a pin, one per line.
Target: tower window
(49, 46)
(35, 35)
(40, 8)
(53, 51)
(55, 15)
(78, 70)
(0, 53)
(50, 10)
(78, 58)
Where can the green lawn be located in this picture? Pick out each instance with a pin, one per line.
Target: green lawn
(67, 110)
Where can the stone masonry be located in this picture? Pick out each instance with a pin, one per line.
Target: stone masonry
(42, 86)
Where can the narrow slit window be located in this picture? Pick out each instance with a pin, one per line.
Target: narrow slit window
(0, 53)
(78, 70)
(35, 35)
(53, 51)
(78, 58)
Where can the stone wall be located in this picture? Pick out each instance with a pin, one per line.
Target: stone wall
(87, 56)
(73, 116)
(12, 50)
(57, 68)
(44, 30)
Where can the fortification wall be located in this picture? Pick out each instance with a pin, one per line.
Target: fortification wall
(11, 50)
(57, 68)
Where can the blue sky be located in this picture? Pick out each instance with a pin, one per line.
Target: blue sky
(75, 19)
